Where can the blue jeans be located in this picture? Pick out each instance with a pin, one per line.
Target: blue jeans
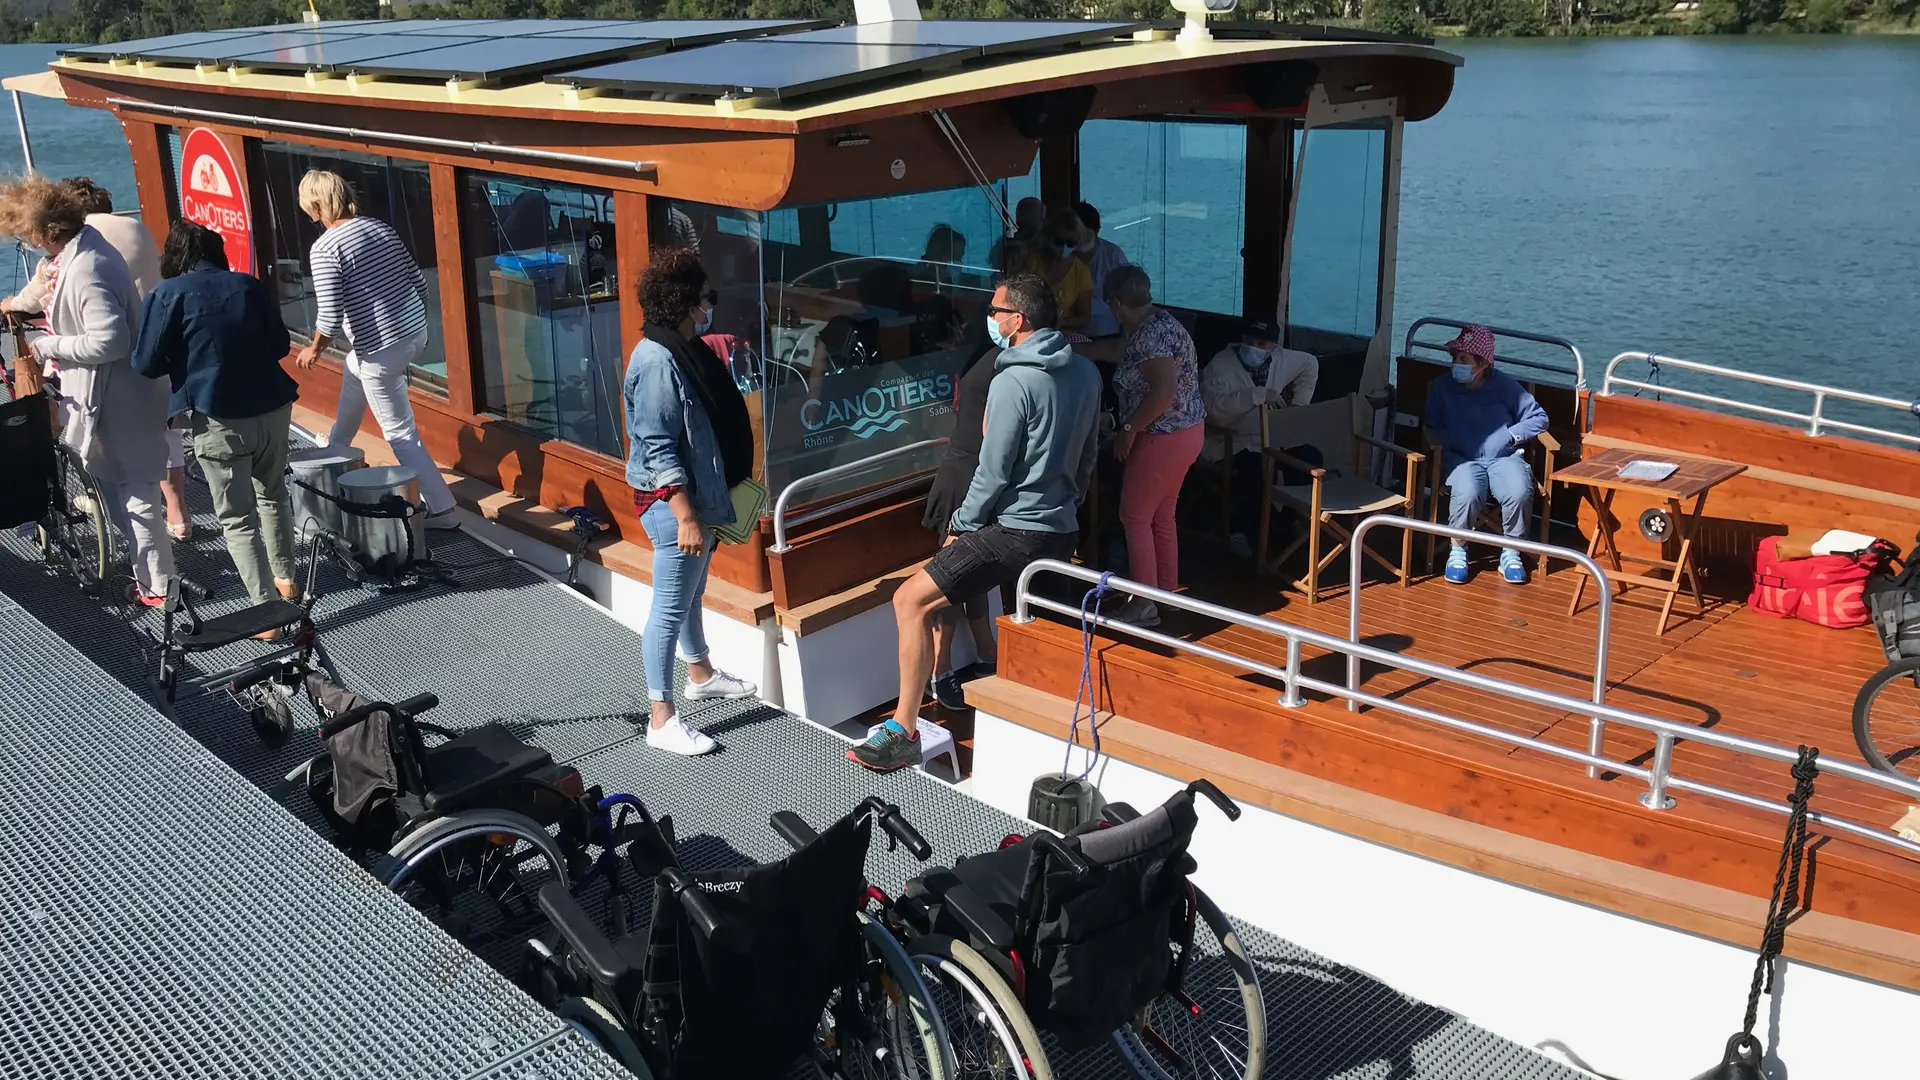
(679, 583)
(1507, 479)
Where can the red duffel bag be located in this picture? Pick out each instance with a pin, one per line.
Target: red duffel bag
(1825, 589)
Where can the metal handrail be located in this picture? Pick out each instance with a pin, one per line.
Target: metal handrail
(1597, 730)
(1659, 778)
(1816, 422)
(835, 473)
(1579, 371)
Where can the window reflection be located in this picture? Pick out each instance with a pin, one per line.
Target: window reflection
(394, 190)
(546, 305)
(1173, 196)
(849, 322)
(1334, 283)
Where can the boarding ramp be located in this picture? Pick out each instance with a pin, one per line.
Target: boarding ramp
(259, 984)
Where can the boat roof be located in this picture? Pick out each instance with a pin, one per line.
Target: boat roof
(641, 88)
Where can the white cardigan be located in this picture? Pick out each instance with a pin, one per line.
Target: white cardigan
(123, 234)
(116, 419)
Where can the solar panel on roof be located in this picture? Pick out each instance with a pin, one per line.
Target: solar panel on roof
(684, 33)
(513, 28)
(495, 59)
(224, 49)
(456, 27)
(991, 36)
(343, 52)
(763, 68)
(171, 41)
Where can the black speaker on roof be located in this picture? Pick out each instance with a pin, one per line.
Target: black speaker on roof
(1282, 84)
(1054, 112)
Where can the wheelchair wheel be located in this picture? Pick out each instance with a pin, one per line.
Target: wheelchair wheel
(270, 711)
(1886, 719)
(1226, 1035)
(477, 874)
(894, 1031)
(75, 535)
(992, 1037)
(599, 1026)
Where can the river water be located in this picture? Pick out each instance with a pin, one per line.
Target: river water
(1753, 203)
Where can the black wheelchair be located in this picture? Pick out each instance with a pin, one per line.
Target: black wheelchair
(746, 972)
(466, 826)
(1095, 935)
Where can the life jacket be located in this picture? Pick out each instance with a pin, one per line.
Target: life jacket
(1825, 589)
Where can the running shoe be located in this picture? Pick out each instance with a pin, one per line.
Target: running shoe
(1512, 567)
(887, 749)
(1457, 565)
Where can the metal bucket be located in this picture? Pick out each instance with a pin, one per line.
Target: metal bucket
(383, 542)
(319, 467)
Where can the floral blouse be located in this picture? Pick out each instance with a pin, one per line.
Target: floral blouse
(1161, 335)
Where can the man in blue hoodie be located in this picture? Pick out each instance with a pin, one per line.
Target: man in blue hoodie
(1036, 457)
(1481, 417)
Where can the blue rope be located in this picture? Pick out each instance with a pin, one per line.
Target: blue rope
(1085, 694)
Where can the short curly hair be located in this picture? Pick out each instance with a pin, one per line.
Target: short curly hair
(671, 285)
(96, 199)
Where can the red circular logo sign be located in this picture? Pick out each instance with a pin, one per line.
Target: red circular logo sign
(211, 194)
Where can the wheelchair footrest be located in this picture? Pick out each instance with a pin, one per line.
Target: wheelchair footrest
(239, 625)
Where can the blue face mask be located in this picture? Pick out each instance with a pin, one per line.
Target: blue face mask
(704, 322)
(994, 332)
(1462, 372)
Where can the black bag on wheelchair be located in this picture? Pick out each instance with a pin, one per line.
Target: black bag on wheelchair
(746, 1001)
(26, 445)
(1101, 944)
(365, 774)
(1893, 600)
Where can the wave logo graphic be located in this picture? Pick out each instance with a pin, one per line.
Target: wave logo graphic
(868, 426)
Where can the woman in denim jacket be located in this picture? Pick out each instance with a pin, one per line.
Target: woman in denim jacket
(690, 443)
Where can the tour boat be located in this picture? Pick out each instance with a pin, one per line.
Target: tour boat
(1559, 817)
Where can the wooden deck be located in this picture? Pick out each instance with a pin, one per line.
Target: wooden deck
(1728, 669)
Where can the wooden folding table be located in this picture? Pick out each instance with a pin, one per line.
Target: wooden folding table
(1599, 476)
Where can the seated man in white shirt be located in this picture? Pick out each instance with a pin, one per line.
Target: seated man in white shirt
(1236, 383)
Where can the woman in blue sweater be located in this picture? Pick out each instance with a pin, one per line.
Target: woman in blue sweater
(1481, 418)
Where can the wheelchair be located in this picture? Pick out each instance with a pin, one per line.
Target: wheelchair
(1096, 935)
(466, 826)
(746, 971)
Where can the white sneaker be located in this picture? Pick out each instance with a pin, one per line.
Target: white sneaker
(1241, 547)
(675, 737)
(83, 504)
(722, 685)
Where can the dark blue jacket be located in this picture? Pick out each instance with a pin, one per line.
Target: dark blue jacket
(218, 336)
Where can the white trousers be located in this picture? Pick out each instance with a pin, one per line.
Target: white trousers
(378, 381)
(137, 512)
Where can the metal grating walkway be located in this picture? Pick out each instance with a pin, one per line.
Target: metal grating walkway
(172, 921)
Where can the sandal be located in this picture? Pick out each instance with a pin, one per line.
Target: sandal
(181, 533)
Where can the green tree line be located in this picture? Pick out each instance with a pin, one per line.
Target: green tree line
(103, 21)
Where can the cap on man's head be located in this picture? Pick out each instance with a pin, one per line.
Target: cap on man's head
(1261, 330)
(1474, 340)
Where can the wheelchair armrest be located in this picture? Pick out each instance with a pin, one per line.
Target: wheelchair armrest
(582, 934)
(795, 832)
(978, 916)
(1119, 813)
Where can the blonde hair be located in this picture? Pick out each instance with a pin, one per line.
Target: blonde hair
(326, 195)
(41, 212)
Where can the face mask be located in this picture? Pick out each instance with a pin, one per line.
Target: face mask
(1088, 247)
(1254, 358)
(1462, 372)
(704, 322)
(994, 332)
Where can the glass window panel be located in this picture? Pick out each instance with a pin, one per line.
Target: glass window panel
(1173, 196)
(545, 305)
(847, 324)
(394, 190)
(1334, 283)
(170, 168)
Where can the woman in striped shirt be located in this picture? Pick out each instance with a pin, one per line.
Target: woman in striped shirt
(367, 285)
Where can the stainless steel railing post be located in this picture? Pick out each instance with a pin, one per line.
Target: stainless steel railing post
(1656, 797)
(1579, 371)
(1815, 422)
(1292, 699)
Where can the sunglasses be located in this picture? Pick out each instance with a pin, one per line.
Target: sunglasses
(992, 310)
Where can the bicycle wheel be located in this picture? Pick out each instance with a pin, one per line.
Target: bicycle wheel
(992, 1037)
(1886, 719)
(1224, 1035)
(893, 1031)
(74, 534)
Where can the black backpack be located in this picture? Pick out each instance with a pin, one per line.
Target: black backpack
(1894, 602)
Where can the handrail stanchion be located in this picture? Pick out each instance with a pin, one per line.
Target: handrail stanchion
(835, 473)
(1816, 423)
(1597, 735)
(1656, 797)
(1292, 699)
(1659, 778)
